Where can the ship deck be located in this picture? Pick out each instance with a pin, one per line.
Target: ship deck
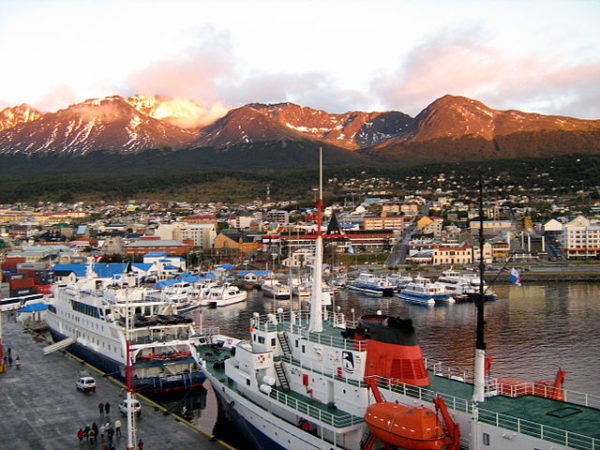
(562, 422)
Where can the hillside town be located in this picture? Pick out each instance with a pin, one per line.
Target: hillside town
(428, 227)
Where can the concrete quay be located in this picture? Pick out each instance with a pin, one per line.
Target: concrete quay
(40, 408)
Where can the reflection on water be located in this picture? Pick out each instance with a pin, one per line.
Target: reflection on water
(530, 332)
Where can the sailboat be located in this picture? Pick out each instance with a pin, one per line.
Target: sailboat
(314, 380)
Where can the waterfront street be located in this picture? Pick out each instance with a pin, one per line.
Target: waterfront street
(42, 409)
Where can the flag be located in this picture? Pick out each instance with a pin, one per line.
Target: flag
(350, 248)
(515, 277)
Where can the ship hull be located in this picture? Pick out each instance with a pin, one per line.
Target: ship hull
(116, 370)
(261, 431)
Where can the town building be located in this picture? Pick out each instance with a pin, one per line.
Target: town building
(151, 244)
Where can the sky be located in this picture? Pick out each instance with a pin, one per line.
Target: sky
(335, 55)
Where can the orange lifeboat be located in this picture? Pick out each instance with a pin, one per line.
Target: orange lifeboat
(406, 427)
(411, 427)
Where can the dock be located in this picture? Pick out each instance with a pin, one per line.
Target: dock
(41, 408)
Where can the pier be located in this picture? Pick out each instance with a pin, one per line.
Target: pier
(42, 409)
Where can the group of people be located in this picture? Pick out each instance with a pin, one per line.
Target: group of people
(93, 432)
(8, 359)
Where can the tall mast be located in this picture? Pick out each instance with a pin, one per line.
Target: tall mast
(131, 428)
(479, 369)
(316, 314)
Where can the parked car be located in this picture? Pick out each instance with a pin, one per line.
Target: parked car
(136, 405)
(86, 384)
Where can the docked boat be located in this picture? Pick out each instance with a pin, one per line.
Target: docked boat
(423, 291)
(372, 284)
(89, 318)
(225, 294)
(273, 288)
(463, 287)
(399, 280)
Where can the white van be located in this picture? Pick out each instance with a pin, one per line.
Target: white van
(86, 384)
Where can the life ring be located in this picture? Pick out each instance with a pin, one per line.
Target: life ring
(229, 341)
(261, 358)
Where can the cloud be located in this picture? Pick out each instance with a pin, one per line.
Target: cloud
(194, 74)
(314, 89)
(462, 62)
(59, 97)
(207, 73)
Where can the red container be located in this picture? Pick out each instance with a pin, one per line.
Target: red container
(21, 284)
(43, 288)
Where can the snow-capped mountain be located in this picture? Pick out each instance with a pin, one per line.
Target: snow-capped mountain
(350, 130)
(9, 117)
(111, 123)
(450, 128)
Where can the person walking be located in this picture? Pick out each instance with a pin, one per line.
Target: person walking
(107, 408)
(140, 445)
(9, 361)
(95, 428)
(118, 427)
(102, 429)
(80, 435)
(92, 436)
(101, 408)
(110, 433)
(18, 363)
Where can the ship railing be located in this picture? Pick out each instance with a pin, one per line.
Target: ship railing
(425, 395)
(206, 331)
(537, 430)
(442, 370)
(323, 370)
(324, 339)
(548, 391)
(314, 412)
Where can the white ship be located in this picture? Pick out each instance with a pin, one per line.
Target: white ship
(314, 381)
(225, 294)
(88, 317)
(273, 288)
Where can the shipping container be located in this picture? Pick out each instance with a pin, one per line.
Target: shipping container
(21, 292)
(15, 276)
(43, 288)
(22, 283)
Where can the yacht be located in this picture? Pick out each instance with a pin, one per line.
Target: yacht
(423, 291)
(273, 288)
(372, 284)
(225, 294)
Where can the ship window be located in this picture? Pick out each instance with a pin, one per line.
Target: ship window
(254, 337)
(303, 349)
(486, 439)
(296, 343)
(273, 342)
(261, 339)
(248, 382)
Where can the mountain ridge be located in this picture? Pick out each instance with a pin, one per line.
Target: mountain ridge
(451, 128)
